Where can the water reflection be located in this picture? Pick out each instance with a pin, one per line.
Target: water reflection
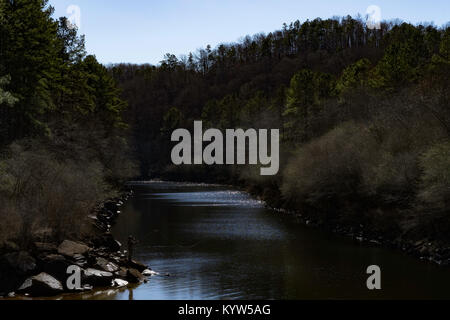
(210, 242)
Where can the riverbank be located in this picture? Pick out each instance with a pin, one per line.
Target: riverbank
(380, 227)
(99, 259)
(423, 249)
(411, 243)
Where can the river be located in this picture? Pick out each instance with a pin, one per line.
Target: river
(214, 242)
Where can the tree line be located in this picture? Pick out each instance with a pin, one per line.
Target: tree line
(364, 118)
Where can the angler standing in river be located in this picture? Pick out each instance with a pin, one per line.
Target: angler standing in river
(131, 243)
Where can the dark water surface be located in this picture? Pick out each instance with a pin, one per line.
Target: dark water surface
(218, 243)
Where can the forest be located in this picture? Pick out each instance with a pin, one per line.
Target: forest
(63, 142)
(363, 115)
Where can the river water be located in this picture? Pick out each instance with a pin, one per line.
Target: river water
(213, 242)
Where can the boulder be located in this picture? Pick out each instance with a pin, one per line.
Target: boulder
(21, 262)
(70, 248)
(41, 285)
(106, 265)
(119, 283)
(134, 276)
(137, 265)
(97, 278)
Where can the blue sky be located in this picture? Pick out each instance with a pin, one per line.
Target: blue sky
(142, 31)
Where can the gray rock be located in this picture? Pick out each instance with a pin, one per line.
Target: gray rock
(106, 265)
(119, 283)
(97, 278)
(41, 285)
(70, 248)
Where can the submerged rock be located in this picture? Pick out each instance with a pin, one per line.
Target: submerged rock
(41, 285)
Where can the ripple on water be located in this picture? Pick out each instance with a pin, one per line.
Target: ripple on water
(210, 199)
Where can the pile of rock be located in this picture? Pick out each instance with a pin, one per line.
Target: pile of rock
(48, 268)
(47, 273)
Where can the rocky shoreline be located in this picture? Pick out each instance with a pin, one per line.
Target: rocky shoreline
(412, 243)
(423, 249)
(73, 266)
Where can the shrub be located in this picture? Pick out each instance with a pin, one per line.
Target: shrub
(392, 178)
(326, 173)
(434, 194)
(435, 186)
(44, 193)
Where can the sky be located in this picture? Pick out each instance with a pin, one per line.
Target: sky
(143, 31)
